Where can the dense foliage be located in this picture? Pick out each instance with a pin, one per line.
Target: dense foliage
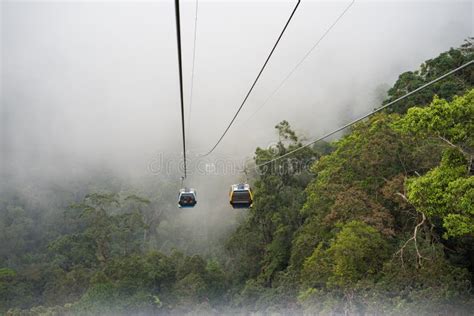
(456, 84)
(380, 221)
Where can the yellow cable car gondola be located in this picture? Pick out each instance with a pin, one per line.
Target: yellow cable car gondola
(187, 198)
(241, 196)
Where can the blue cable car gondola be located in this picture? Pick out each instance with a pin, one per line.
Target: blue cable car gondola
(241, 196)
(187, 198)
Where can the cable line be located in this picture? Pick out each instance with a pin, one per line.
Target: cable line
(178, 37)
(256, 79)
(369, 114)
(301, 61)
(192, 71)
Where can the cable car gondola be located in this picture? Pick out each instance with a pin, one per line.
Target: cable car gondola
(241, 196)
(187, 198)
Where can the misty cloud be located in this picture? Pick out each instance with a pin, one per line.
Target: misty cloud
(90, 84)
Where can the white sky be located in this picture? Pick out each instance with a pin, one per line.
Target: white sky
(92, 82)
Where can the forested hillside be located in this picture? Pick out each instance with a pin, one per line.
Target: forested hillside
(379, 221)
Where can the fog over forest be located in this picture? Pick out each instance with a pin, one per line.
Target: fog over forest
(88, 84)
(92, 87)
(90, 103)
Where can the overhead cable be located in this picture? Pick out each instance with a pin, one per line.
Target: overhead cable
(255, 81)
(369, 114)
(178, 37)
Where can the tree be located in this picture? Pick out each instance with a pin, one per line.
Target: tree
(262, 244)
(357, 252)
(456, 84)
(99, 227)
(446, 191)
(452, 122)
(349, 182)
